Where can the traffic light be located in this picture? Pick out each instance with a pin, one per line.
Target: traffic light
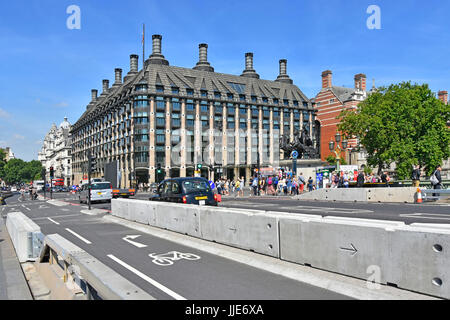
(43, 174)
(158, 168)
(93, 164)
(52, 173)
(199, 166)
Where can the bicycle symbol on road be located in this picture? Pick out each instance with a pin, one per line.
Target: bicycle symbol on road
(167, 259)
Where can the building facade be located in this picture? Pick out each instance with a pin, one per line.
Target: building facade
(176, 118)
(56, 152)
(329, 103)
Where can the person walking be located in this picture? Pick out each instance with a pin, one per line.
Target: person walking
(310, 184)
(438, 184)
(255, 186)
(301, 182)
(237, 185)
(360, 179)
(415, 177)
(385, 179)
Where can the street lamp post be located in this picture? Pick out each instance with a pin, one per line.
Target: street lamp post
(336, 148)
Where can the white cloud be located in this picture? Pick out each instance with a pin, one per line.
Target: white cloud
(18, 137)
(62, 104)
(4, 114)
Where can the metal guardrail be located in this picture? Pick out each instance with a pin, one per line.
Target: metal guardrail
(98, 281)
(441, 194)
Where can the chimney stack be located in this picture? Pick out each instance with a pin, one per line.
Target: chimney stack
(360, 82)
(326, 79)
(105, 86)
(249, 71)
(443, 96)
(134, 58)
(283, 77)
(118, 76)
(156, 57)
(94, 93)
(203, 63)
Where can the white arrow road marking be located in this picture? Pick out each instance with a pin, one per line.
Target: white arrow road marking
(78, 236)
(147, 278)
(53, 221)
(137, 244)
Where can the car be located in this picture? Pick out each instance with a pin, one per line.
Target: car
(13, 189)
(185, 190)
(100, 191)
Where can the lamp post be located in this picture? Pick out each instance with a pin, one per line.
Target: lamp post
(336, 148)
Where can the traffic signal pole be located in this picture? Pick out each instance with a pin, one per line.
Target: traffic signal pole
(89, 179)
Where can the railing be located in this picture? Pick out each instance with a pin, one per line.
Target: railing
(435, 194)
(95, 279)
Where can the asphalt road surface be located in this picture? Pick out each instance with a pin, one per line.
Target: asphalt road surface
(408, 213)
(165, 269)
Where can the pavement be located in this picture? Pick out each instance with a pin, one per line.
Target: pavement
(13, 285)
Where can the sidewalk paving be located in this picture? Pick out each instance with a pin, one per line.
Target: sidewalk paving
(13, 285)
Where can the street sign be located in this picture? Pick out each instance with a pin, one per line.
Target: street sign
(294, 154)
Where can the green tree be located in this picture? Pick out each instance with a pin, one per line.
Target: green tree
(18, 171)
(332, 160)
(2, 164)
(404, 123)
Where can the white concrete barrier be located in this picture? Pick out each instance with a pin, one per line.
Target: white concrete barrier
(119, 208)
(420, 260)
(404, 194)
(412, 257)
(245, 230)
(180, 218)
(394, 195)
(25, 235)
(142, 211)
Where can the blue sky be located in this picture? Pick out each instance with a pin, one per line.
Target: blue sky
(47, 70)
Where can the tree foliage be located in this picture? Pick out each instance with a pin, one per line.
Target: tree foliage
(18, 171)
(332, 160)
(404, 123)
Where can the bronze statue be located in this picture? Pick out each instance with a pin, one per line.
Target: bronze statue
(302, 143)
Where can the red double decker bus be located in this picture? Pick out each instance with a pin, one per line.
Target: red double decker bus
(58, 182)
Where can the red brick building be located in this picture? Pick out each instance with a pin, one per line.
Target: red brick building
(329, 103)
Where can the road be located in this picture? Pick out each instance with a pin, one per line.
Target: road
(199, 275)
(408, 213)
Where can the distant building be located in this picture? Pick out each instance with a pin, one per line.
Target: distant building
(9, 154)
(162, 121)
(56, 152)
(329, 103)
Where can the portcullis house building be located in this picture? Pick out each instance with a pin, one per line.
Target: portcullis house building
(176, 118)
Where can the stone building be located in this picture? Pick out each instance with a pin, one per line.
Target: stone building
(176, 118)
(56, 152)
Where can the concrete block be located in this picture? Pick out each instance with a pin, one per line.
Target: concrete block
(119, 208)
(257, 232)
(141, 211)
(338, 246)
(23, 233)
(420, 260)
(405, 195)
(180, 218)
(339, 194)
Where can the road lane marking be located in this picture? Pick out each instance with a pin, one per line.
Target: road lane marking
(134, 243)
(53, 221)
(78, 236)
(147, 278)
(436, 216)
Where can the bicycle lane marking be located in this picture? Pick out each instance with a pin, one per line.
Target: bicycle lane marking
(154, 283)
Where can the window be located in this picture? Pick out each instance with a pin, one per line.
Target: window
(175, 90)
(253, 98)
(242, 97)
(159, 88)
(203, 106)
(238, 87)
(286, 102)
(217, 95)
(160, 138)
(231, 111)
(204, 93)
(189, 92)
(230, 96)
(265, 100)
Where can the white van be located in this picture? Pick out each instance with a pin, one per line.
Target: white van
(100, 191)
